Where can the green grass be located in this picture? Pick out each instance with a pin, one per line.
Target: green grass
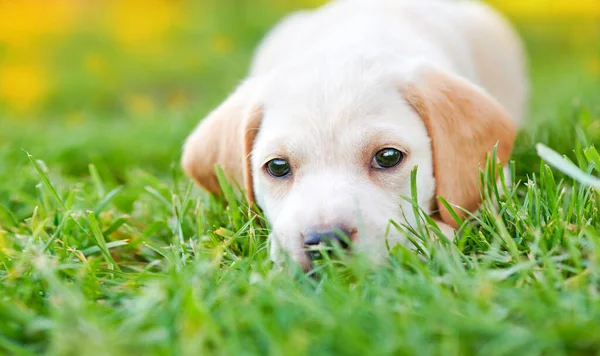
(106, 249)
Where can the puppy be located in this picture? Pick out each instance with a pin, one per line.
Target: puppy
(342, 102)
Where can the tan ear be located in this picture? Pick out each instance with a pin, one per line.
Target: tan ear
(225, 138)
(464, 124)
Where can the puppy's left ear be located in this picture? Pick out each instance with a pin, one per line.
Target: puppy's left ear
(225, 138)
(464, 124)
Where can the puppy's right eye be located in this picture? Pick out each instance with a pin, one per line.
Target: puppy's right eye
(278, 167)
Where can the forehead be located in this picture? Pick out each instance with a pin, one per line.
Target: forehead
(338, 91)
(328, 108)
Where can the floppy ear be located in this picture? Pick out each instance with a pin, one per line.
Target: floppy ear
(225, 138)
(464, 124)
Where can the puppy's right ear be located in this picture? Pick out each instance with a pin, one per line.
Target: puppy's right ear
(225, 138)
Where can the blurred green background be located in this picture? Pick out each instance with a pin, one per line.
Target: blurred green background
(119, 83)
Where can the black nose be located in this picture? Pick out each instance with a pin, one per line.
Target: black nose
(337, 234)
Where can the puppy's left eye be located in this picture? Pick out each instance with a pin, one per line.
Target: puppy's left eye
(278, 167)
(387, 158)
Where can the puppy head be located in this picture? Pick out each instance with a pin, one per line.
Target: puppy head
(330, 151)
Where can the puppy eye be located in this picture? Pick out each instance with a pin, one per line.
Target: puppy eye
(387, 158)
(278, 167)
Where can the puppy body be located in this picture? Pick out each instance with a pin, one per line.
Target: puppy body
(330, 88)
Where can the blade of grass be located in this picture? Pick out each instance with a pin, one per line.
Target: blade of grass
(46, 180)
(562, 164)
(101, 242)
(107, 198)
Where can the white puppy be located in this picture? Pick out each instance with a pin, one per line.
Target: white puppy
(344, 101)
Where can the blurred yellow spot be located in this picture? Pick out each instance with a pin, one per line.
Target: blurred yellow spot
(135, 22)
(24, 21)
(23, 86)
(221, 44)
(140, 105)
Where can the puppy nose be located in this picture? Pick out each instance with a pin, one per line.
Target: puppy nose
(339, 234)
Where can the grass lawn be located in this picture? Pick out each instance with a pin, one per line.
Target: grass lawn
(107, 249)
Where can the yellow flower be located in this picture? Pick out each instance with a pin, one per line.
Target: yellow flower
(23, 85)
